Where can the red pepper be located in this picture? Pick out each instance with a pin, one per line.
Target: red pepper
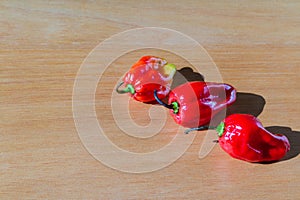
(148, 74)
(194, 104)
(243, 137)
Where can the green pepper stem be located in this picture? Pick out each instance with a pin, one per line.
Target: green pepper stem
(173, 106)
(200, 128)
(128, 89)
(220, 129)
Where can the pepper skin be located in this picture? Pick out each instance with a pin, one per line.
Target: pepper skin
(194, 104)
(243, 137)
(148, 74)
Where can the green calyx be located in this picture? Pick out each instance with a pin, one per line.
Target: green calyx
(169, 68)
(175, 107)
(128, 89)
(220, 129)
(169, 71)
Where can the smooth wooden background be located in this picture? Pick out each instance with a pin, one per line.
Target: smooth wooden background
(255, 44)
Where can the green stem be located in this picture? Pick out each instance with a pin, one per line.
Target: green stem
(220, 129)
(128, 89)
(200, 128)
(173, 106)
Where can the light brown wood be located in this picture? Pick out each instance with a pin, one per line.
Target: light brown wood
(255, 44)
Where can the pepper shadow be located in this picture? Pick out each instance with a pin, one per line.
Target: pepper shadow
(184, 75)
(294, 139)
(247, 103)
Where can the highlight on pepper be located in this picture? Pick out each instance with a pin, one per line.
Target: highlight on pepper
(146, 75)
(243, 137)
(194, 104)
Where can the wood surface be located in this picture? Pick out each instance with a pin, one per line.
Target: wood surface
(255, 45)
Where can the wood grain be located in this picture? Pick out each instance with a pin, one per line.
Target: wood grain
(255, 44)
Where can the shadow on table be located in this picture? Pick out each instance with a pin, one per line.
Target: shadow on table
(247, 103)
(294, 139)
(184, 75)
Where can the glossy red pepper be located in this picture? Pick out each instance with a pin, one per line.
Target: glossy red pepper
(148, 74)
(194, 104)
(243, 137)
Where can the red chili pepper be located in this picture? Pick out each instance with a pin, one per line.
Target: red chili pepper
(194, 104)
(243, 137)
(148, 74)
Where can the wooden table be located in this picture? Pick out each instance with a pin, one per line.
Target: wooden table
(255, 45)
